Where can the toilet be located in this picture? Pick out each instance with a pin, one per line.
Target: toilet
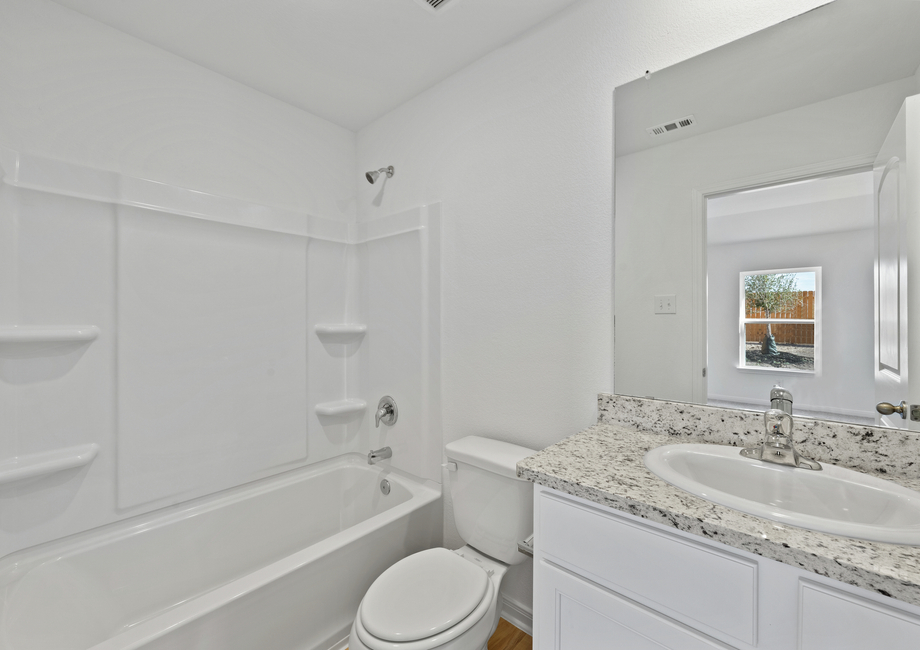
(451, 600)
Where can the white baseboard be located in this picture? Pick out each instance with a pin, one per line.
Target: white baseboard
(520, 616)
(341, 645)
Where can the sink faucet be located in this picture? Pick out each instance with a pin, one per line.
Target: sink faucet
(777, 444)
(375, 455)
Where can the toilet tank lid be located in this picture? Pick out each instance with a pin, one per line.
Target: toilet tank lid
(491, 455)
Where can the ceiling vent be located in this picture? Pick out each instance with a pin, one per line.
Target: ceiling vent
(668, 127)
(435, 6)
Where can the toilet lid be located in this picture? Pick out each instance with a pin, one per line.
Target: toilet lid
(422, 595)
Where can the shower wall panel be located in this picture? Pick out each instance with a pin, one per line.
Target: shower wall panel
(400, 288)
(57, 268)
(207, 367)
(206, 362)
(211, 354)
(330, 290)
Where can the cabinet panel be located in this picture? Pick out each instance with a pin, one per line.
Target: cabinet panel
(832, 619)
(586, 616)
(706, 587)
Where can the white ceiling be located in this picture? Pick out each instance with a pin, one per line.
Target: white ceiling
(814, 190)
(348, 61)
(840, 48)
(812, 207)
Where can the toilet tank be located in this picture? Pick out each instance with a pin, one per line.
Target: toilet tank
(493, 509)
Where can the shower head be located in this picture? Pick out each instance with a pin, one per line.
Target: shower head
(373, 176)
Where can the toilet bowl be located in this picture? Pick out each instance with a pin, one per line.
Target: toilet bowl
(440, 599)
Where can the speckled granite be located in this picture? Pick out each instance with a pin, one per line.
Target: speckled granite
(605, 464)
(888, 452)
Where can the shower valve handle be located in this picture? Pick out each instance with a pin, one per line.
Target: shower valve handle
(386, 412)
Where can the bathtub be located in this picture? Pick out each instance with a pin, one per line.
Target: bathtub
(277, 564)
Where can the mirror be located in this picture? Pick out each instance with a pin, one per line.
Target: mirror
(769, 157)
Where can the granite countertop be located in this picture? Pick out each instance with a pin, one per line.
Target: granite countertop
(604, 464)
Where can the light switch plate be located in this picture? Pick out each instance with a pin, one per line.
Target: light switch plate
(666, 304)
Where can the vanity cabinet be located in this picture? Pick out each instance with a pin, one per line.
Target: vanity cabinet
(607, 579)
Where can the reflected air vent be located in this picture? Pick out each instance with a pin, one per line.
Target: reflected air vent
(436, 6)
(661, 129)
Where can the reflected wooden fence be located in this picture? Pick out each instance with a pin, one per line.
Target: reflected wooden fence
(789, 333)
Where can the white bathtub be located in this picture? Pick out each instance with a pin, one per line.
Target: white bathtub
(277, 564)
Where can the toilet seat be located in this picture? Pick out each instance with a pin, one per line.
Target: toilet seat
(410, 618)
(422, 595)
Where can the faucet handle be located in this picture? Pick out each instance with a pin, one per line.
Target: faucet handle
(386, 412)
(779, 425)
(781, 399)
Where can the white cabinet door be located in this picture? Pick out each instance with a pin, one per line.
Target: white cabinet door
(710, 589)
(832, 619)
(579, 615)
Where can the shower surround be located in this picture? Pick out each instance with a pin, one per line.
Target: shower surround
(169, 344)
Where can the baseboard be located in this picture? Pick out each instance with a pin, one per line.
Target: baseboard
(520, 616)
(341, 645)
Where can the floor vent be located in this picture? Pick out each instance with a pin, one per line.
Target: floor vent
(435, 6)
(667, 127)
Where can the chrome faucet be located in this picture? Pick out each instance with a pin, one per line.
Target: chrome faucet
(777, 444)
(375, 455)
(386, 412)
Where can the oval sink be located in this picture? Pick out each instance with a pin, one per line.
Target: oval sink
(833, 500)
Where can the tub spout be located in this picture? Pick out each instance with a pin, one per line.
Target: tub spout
(375, 455)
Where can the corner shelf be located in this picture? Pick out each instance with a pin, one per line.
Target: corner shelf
(48, 333)
(341, 332)
(20, 468)
(342, 407)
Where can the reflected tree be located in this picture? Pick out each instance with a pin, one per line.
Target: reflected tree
(773, 293)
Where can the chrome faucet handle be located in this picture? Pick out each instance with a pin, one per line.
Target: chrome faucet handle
(777, 444)
(386, 412)
(778, 426)
(781, 399)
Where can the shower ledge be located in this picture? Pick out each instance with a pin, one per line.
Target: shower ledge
(28, 466)
(25, 341)
(341, 332)
(47, 333)
(341, 407)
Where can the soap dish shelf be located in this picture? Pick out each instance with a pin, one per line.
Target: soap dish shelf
(29, 466)
(26, 341)
(341, 407)
(341, 332)
(12, 334)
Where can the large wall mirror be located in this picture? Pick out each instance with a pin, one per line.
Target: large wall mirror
(766, 225)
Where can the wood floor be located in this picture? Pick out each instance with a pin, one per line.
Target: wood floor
(508, 637)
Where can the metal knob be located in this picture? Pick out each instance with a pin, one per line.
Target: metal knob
(887, 409)
(386, 412)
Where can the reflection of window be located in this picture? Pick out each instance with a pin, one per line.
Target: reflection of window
(779, 319)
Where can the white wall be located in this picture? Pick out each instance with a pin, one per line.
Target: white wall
(77, 90)
(518, 147)
(845, 384)
(654, 215)
(169, 294)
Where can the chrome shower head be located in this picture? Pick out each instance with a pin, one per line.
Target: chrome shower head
(373, 176)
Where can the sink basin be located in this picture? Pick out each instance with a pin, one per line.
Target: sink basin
(832, 500)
